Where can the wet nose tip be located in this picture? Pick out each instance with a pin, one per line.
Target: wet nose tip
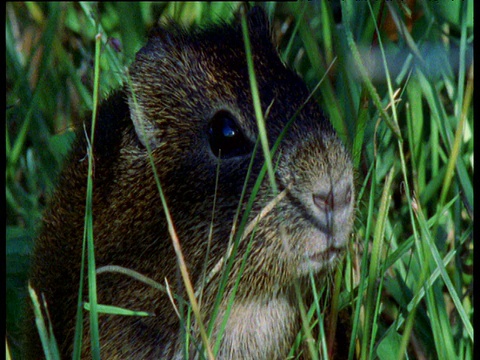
(332, 200)
(324, 201)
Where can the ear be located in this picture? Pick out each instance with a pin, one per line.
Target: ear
(160, 44)
(146, 130)
(257, 20)
(160, 41)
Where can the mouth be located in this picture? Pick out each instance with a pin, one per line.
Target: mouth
(320, 261)
(325, 257)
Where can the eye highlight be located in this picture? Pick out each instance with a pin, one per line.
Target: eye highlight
(225, 136)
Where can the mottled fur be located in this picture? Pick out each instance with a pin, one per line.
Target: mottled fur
(179, 81)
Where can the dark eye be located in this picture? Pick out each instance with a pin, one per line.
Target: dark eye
(226, 138)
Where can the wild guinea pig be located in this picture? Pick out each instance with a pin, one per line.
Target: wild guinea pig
(190, 103)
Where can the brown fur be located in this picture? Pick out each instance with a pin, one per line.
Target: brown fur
(180, 80)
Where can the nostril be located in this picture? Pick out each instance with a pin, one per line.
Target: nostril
(328, 201)
(324, 201)
(348, 196)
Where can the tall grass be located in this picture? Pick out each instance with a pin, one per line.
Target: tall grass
(396, 81)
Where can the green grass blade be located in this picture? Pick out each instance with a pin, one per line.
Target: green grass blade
(262, 131)
(91, 268)
(47, 339)
(115, 310)
(375, 266)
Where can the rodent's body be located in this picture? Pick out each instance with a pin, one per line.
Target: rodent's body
(182, 84)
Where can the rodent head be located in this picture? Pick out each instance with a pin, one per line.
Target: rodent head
(190, 101)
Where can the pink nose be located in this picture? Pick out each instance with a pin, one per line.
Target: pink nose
(335, 199)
